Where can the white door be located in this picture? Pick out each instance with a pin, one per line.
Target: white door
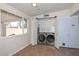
(74, 39)
(68, 32)
(64, 31)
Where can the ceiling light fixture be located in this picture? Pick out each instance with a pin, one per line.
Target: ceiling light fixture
(34, 4)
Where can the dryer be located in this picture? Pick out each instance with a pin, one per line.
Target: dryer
(50, 39)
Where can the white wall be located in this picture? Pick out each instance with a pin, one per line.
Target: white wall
(47, 25)
(33, 31)
(10, 45)
(74, 8)
(29, 28)
(66, 12)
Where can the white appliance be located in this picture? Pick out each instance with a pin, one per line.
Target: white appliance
(50, 39)
(68, 32)
(46, 38)
(41, 38)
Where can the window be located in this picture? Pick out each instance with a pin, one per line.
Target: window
(16, 27)
(14, 24)
(23, 23)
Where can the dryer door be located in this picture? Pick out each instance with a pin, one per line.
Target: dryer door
(50, 38)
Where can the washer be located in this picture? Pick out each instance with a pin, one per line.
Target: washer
(47, 38)
(41, 38)
(50, 38)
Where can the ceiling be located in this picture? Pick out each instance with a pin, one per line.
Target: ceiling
(41, 8)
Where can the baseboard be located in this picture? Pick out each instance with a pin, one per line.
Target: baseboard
(19, 50)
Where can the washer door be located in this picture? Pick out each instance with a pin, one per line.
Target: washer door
(41, 38)
(50, 38)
